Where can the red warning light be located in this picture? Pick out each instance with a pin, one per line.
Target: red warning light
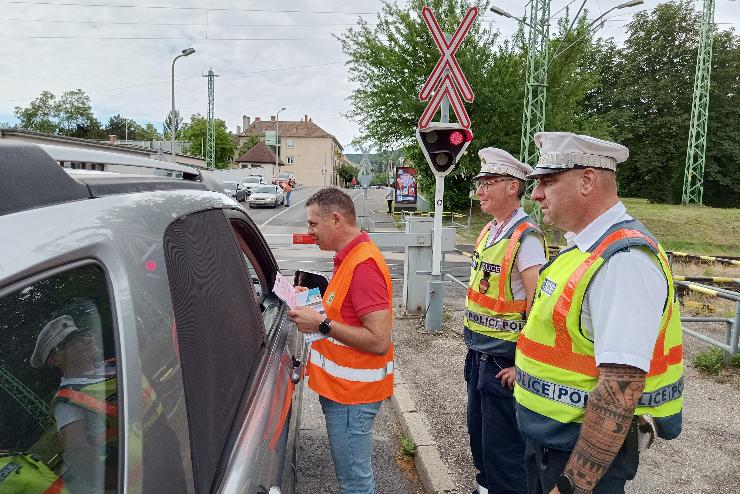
(151, 266)
(456, 138)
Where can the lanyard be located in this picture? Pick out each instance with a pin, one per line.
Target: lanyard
(492, 240)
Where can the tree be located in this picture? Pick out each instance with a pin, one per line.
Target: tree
(150, 133)
(70, 115)
(196, 133)
(347, 172)
(250, 142)
(391, 62)
(167, 125)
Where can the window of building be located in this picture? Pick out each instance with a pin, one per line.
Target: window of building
(59, 411)
(290, 143)
(289, 160)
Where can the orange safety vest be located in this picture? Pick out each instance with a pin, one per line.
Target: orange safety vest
(342, 373)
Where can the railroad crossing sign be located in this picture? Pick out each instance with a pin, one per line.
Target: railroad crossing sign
(447, 77)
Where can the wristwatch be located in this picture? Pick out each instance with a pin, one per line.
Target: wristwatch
(325, 326)
(564, 485)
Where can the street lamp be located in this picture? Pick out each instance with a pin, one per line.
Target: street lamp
(277, 138)
(173, 123)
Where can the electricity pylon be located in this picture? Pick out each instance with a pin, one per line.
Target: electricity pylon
(211, 133)
(535, 89)
(693, 179)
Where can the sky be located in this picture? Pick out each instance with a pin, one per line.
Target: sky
(268, 55)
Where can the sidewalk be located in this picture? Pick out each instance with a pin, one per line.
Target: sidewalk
(704, 459)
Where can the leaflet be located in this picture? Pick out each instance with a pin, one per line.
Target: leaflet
(311, 298)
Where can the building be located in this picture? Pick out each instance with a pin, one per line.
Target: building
(259, 160)
(111, 146)
(307, 150)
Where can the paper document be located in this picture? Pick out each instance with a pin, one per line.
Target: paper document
(284, 290)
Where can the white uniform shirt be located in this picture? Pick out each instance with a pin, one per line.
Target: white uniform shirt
(66, 413)
(531, 253)
(624, 303)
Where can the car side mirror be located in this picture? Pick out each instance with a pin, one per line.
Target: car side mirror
(310, 279)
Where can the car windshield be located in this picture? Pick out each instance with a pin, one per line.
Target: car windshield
(264, 190)
(251, 180)
(230, 185)
(284, 175)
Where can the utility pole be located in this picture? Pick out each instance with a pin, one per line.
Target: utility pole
(211, 133)
(693, 179)
(535, 89)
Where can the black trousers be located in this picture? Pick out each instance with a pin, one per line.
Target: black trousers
(545, 466)
(495, 442)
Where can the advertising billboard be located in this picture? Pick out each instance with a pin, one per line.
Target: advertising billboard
(405, 185)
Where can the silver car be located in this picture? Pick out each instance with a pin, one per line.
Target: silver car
(143, 349)
(266, 195)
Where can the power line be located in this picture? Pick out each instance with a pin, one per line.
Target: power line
(139, 23)
(173, 7)
(149, 38)
(161, 83)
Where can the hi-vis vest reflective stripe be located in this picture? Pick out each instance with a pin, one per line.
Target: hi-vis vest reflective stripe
(23, 473)
(100, 397)
(342, 373)
(496, 313)
(556, 368)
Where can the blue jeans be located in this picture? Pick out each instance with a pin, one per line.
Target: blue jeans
(495, 442)
(350, 431)
(287, 198)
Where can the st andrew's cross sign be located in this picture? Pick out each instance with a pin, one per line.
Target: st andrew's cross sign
(447, 76)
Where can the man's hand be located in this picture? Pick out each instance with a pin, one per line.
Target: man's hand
(507, 376)
(306, 319)
(554, 491)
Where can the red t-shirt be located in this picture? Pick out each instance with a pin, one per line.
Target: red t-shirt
(367, 290)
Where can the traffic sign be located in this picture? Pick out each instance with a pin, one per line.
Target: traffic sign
(365, 180)
(447, 75)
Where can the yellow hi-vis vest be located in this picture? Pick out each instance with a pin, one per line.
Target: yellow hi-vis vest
(491, 309)
(342, 373)
(24, 473)
(556, 368)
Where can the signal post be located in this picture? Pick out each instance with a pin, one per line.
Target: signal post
(443, 142)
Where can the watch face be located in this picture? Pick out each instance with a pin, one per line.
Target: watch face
(564, 485)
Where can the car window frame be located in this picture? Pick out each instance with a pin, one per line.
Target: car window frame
(50, 272)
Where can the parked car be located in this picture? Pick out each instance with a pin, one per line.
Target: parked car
(251, 181)
(235, 190)
(281, 178)
(143, 347)
(266, 195)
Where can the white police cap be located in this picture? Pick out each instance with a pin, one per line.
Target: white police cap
(50, 337)
(495, 161)
(565, 150)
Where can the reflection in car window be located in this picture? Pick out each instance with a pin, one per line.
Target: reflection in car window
(59, 408)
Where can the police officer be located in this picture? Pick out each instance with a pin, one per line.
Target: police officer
(508, 255)
(600, 357)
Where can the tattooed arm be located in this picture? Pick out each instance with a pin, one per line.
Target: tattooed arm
(608, 416)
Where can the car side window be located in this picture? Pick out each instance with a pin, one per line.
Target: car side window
(59, 415)
(219, 332)
(262, 275)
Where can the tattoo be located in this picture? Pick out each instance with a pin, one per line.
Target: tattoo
(609, 414)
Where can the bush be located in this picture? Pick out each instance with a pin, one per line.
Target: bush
(710, 361)
(408, 448)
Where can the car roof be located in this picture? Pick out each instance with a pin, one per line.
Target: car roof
(32, 177)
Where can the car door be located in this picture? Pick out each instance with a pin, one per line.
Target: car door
(236, 351)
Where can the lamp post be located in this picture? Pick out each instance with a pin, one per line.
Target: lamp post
(277, 140)
(173, 123)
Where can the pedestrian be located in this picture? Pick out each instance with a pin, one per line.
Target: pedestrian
(287, 189)
(352, 367)
(389, 199)
(508, 255)
(599, 365)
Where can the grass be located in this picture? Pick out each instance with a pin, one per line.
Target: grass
(692, 229)
(711, 362)
(408, 448)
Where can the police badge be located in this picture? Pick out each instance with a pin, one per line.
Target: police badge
(483, 285)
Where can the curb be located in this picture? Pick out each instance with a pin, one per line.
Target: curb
(433, 472)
